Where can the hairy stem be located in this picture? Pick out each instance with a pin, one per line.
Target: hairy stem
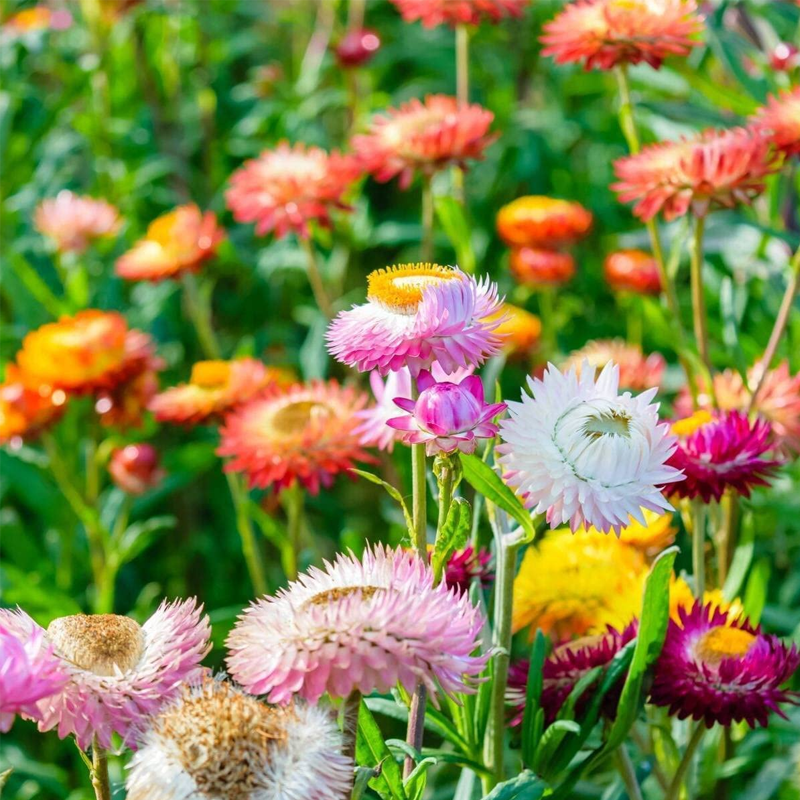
(100, 782)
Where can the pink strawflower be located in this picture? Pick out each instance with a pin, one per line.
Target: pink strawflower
(720, 669)
(467, 565)
(73, 222)
(780, 119)
(637, 371)
(416, 314)
(118, 672)
(29, 673)
(447, 416)
(432, 13)
(362, 624)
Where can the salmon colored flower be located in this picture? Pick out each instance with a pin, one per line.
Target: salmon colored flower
(632, 271)
(605, 33)
(534, 267)
(135, 468)
(780, 118)
(423, 136)
(458, 12)
(24, 409)
(682, 599)
(177, 242)
(519, 329)
(73, 222)
(546, 222)
(37, 18)
(305, 434)
(713, 169)
(637, 372)
(289, 187)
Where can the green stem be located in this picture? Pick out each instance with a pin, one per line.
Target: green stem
(200, 313)
(698, 294)
(547, 313)
(628, 773)
(293, 499)
(446, 480)
(427, 218)
(250, 551)
(699, 547)
(462, 96)
(315, 278)
(633, 309)
(726, 542)
(350, 709)
(100, 782)
(675, 787)
(38, 289)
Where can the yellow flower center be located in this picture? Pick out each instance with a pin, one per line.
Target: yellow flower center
(720, 643)
(608, 422)
(400, 289)
(211, 374)
(294, 418)
(686, 427)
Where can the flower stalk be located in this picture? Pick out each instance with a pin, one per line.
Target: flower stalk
(699, 511)
(698, 294)
(100, 781)
(199, 312)
(250, 549)
(674, 791)
(426, 250)
(315, 278)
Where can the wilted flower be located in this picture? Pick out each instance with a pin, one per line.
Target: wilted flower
(73, 222)
(25, 410)
(720, 670)
(534, 267)
(519, 329)
(425, 136)
(135, 468)
(467, 565)
(458, 12)
(215, 741)
(357, 47)
(632, 271)
(304, 434)
(636, 371)
(447, 416)
(582, 453)
(543, 222)
(416, 314)
(176, 243)
(712, 169)
(286, 188)
(362, 624)
(780, 120)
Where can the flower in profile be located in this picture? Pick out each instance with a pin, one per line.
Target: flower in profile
(73, 221)
(447, 417)
(632, 271)
(432, 13)
(467, 565)
(304, 434)
(542, 222)
(519, 329)
(574, 584)
(637, 372)
(26, 410)
(416, 314)
(713, 169)
(357, 47)
(721, 451)
(780, 119)
(605, 33)
(176, 243)
(682, 599)
(718, 670)
(215, 741)
(534, 267)
(119, 672)
(358, 624)
(135, 468)
(423, 136)
(29, 673)
(582, 453)
(289, 187)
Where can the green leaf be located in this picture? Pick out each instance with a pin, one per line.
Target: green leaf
(730, 325)
(372, 751)
(755, 595)
(391, 491)
(533, 715)
(526, 786)
(453, 535)
(742, 558)
(550, 741)
(139, 536)
(450, 214)
(567, 711)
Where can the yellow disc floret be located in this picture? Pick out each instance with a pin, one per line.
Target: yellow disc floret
(211, 374)
(686, 427)
(400, 288)
(723, 642)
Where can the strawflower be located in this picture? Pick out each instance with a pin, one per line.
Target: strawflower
(135, 468)
(637, 372)
(73, 221)
(26, 410)
(682, 599)
(543, 222)
(780, 119)
(632, 271)
(535, 267)
(519, 329)
(465, 566)
(432, 13)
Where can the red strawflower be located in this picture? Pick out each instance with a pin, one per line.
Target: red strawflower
(458, 12)
(534, 267)
(632, 271)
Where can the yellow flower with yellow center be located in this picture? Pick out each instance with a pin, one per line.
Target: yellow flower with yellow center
(519, 328)
(651, 538)
(681, 598)
(400, 288)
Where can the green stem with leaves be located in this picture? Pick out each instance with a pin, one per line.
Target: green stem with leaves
(674, 791)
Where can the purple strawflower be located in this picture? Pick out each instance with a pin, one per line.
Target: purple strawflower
(466, 564)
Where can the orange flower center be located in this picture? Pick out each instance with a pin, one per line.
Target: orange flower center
(400, 289)
(211, 374)
(686, 427)
(720, 643)
(293, 419)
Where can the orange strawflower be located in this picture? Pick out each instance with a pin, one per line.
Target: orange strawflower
(632, 271)
(534, 267)
(520, 330)
(458, 12)
(73, 222)
(537, 221)
(637, 372)
(780, 118)
(26, 410)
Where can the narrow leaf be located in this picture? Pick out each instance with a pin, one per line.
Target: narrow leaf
(526, 786)
(755, 595)
(533, 693)
(450, 214)
(391, 491)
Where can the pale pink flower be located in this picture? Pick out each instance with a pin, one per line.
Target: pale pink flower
(73, 222)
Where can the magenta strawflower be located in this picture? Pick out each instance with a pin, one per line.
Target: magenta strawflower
(466, 565)
(719, 669)
(358, 624)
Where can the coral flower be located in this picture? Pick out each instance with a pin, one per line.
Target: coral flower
(546, 222)
(632, 271)
(582, 453)
(533, 267)
(605, 33)
(29, 673)
(304, 434)
(177, 242)
(26, 410)
(135, 468)
(215, 741)
(467, 565)
(432, 13)
(425, 136)
(417, 314)
(780, 118)
(360, 624)
(574, 584)
(637, 372)
(286, 188)
(447, 417)
(719, 452)
(119, 673)
(713, 169)
(73, 222)
(214, 388)
(681, 599)
(722, 671)
(519, 329)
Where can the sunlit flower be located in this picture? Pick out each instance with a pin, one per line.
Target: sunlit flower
(544, 222)
(574, 584)
(582, 453)
(636, 371)
(534, 267)
(447, 417)
(416, 314)
(73, 222)
(215, 741)
(289, 187)
(432, 13)
(25, 410)
(135, 468)
(721, 451)
(519, 329)
(722, 671)
(465, 566)
(119, 672)
(712, 169)
(605, 33)
(304, 434)
(632, 271)
(176, 243)
(423, 135)
(363, 624)
(780, 118)
(681, 599)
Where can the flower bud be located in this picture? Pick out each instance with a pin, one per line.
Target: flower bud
(357, 47)
(135, 468)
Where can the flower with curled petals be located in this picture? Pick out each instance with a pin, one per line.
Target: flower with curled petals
(424, 136)
(73, 222)
(542, 222)
(361, 624)
(715, 169)
(780, 119)
(215, 741)
(637, 372)
(287, 188)
(581, 453)
(718, 670)
(432, 13)
(605, 33)
(632, 271)
(304, 434)
(535, 267)
(416, 314)
(25, 410)
(119, 672)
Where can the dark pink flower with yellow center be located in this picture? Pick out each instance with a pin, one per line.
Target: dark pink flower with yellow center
(632, 271)
(780, 119)
(534, 267)
(73, 221)
(432, 13)
(716, 669)
(538, 221)
(605, 33)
